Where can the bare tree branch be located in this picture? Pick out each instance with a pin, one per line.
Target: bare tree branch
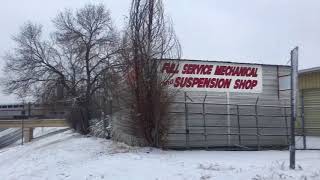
(81, 50)
(148, 40)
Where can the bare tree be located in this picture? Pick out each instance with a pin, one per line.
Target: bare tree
(79, 53)
(149, 40)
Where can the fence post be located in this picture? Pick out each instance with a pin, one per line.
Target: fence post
(294, 92)
(104, 124)
(22, 124)
(257, 126)
(204, 121)
(286, 119)
(28, 131)
(110, 118)
(303, 122)
(238, 118)
(186, 119)
(29, 110)
(228, 119)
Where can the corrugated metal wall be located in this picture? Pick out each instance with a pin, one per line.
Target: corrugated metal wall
(311, 105)
(309, 85)
(195, 124)
(124, 129)
(309, 80)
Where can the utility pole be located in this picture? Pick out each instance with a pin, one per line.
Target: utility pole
(294, 93)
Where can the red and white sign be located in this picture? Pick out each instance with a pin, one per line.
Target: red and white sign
(213, 76)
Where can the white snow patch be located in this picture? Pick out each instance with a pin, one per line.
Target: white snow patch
(312, 142)
(71, 156)
(41, 131)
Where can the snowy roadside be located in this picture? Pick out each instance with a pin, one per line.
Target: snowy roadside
(69, 155)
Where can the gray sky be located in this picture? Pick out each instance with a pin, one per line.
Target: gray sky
(261, 31)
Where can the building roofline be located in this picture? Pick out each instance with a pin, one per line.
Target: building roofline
(201, 60)
(310, 70)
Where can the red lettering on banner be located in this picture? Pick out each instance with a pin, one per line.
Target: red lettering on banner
(165, 67)
(201, 81)
(254, 83)
(243, 71)
(170, 68)
(167, 82)
(245, 84)
(236, 71)
(195, 81)
(197, 69)
(191, 82)
(220, 76)
(177, 82)
(219, 70)
(254, 72)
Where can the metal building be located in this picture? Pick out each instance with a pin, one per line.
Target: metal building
(233, 119)
(309, 85)
(218, 105)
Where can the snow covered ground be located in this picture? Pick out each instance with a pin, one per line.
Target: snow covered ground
(67, 155)
(312, 142)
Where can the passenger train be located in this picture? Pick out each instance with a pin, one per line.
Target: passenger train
(18, 111)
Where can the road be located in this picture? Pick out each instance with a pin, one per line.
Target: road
(9, 136)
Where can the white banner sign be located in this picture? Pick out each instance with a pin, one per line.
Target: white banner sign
(213, 76)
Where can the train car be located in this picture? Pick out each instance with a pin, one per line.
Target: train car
(12, 111)
(18, 111)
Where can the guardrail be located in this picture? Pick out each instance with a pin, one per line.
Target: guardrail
(29, 124)
(32, 123)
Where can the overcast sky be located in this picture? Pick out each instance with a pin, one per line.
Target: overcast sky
(259, 31)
